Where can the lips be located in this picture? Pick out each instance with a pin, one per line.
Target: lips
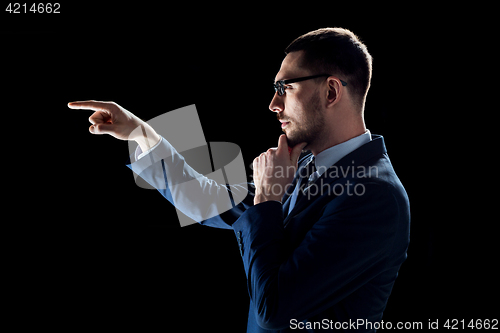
(283, 120)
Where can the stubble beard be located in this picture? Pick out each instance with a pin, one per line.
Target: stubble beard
(309, 129)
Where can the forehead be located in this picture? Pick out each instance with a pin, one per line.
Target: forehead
(290, 67)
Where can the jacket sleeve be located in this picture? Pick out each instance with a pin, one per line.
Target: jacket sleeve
(216, 199)
(344, 249)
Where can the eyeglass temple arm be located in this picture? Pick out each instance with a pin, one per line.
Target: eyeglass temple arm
(308, 78)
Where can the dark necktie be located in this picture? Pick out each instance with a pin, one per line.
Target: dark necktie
(304, 174)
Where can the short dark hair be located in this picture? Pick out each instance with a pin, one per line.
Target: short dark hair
(337, 51)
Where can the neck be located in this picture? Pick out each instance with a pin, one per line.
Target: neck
(337, 133)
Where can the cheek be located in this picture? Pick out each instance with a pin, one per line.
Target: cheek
(294, 110)
(298, 113)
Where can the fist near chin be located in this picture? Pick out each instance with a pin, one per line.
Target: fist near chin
(273, 171)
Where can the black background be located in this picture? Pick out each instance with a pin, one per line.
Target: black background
(86, 247)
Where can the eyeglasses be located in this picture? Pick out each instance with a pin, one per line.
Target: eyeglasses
(279, 86)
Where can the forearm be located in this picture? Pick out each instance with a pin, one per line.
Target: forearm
(260, 236)
(198, 196)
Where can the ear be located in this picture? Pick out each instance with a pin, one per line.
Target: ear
(335, 90)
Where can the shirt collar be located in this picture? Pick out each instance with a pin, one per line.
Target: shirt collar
(332, 155)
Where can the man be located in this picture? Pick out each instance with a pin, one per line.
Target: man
(321, 239)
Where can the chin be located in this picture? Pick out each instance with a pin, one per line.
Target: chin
(292, 141)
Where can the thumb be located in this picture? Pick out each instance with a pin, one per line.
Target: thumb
(102, 129)
(296, 150)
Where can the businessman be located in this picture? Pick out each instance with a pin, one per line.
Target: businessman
(321, 238)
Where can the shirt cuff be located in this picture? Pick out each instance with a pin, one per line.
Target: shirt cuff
(139, 154)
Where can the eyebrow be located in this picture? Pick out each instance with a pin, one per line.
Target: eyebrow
(282, 79)
(296, 78)
(300, 79)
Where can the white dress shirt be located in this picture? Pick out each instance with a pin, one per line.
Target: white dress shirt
(329, 157)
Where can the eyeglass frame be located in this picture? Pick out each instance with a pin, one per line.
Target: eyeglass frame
(279, 86)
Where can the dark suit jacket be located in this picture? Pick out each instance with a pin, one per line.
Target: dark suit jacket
(333, 260)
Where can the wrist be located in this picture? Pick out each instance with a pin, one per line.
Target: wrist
(259, 198)
(147, 137)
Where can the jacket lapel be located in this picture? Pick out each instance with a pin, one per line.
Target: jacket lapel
(337, 171)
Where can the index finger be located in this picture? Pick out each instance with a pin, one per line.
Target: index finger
(90, 105)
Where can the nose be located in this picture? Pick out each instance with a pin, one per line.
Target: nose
(277, 104)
